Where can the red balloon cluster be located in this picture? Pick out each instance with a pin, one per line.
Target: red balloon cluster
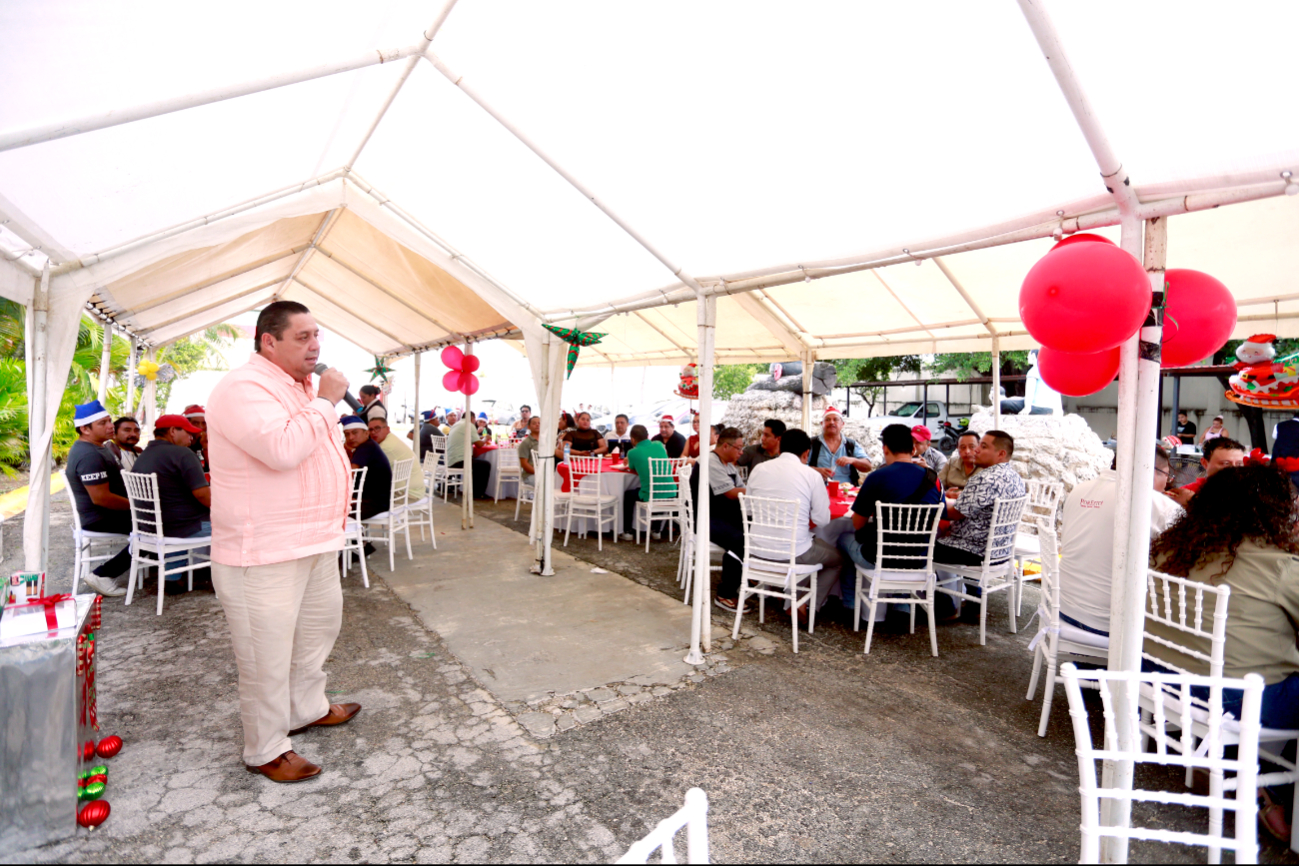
(461, 375)
(1086, 297)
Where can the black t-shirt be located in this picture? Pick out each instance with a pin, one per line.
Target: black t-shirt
(378, 480)
(897, 483)
(583, 440)
(92, 465)
(426, 434)
(179, 474)
(1185, 432)
(675, 444)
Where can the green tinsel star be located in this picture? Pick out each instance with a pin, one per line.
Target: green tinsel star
(576, 340)
(380, 370)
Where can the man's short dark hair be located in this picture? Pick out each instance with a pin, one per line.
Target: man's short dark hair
(776, 426)
(125, 419)
(969, 433)
(370, 390)
(897, 438)
(1002, 441)
(795, 441)
(525, 406)
(1161, 455)
(1222, 442)
(622, 416)
(670, 420)
(274, 319)
(639, 433)
(382, 420)
(729, 434)
(1181, 412)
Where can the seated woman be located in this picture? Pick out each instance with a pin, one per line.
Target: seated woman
(1240, 531)
(583, 441)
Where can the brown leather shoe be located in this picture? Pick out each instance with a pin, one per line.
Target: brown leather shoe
(339, 714)
(289, 767)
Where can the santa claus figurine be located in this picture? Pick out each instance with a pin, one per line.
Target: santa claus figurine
(689, 387)
(1256, 352)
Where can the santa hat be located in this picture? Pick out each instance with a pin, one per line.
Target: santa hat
(352, 422)
(830, 410)
(194, 411)
(88, 413)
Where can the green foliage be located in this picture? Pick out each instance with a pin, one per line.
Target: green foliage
(731, 379)
(968, 365)
(882, 369)
(13, 414)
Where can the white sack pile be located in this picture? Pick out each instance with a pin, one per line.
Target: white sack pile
(1051, 447)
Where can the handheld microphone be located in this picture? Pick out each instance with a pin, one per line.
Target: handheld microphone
(347, 395)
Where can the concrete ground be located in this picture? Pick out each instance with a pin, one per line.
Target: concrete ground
(827, 756)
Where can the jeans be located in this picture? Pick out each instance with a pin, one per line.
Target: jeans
(481, 470)
(204, 528)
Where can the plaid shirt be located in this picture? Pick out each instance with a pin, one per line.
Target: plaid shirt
(975, 504)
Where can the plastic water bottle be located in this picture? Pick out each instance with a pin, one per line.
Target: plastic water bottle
(567, 448)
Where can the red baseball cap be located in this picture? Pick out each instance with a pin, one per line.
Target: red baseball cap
(168, 421)
(920, 431)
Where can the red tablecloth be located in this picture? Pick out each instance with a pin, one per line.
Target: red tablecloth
(481, 448)
(607, 464)
(841, 503)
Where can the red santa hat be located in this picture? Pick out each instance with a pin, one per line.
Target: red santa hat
(830, 410)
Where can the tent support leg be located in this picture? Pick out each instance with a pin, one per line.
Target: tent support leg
(419, 458)
(467, 470)
(37, 415)
(701, 621)
(808, 357)
(105, 361)
(130, 376)
(996, 380)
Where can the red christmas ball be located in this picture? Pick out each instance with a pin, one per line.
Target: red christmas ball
(1199, 318)
(1078, 374)
(1086, 297)
(88, 750)
(109, 746)
(1083, 238)
(93, 814)
(97, 778)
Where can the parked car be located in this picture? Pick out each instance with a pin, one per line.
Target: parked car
(932, 414)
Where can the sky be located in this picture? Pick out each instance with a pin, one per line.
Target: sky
(505, 377)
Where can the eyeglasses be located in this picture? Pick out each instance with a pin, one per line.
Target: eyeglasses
(1165, 472)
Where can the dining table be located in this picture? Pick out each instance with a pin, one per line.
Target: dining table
(616, 478)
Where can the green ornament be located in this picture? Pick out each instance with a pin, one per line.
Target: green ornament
(380, 370)
(99, 771)
(93, 791)
(576, 340)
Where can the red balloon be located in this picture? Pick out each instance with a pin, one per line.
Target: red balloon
(451, 380)
(1199, 318)
(93, 814)
(109, 746)
(468, 383)
(452, 357)
(1077, 374)
(1083, 238)
(471, 363)
(1084, 298)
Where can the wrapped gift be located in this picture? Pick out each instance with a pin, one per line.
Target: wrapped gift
(23, 586)
(38, 616)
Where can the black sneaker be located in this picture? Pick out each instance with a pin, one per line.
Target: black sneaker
(369, 548)
(175, 587)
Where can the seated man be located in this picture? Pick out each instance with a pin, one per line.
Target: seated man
(957, 473)
(725, 523)
(1219, 453)
(789, 477)
(923, 437)
(96, 483)
(376, 495)
(902, 479)
(582, 441)
(767, 449)
(837, 458)
(394, 449)
(184, 495)
(481, 470)
(525, 415)
(672, 441)
(643, 450)
(123, 445)
(1087, 544)
(529, 446)
(197, 415)
(619, 439)
(971, 513)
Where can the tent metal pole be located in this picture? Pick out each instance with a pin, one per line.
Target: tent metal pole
(467, 465)
(130, 376)
(416, 422)
(105, 360)
(37, 415)
(996, 380)
(405, 74)
(117, 117)
(808, 357)
(458, 80)
(701, 620)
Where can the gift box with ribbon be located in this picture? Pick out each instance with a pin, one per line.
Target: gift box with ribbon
(38, 616)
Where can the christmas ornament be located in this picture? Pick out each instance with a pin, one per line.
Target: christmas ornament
(689, 386)
(92, 791)
(1262, 381)
(461, 375)
(1199, 316)
(152, 371)
(1084, 298)
(90, 780)
(88, 750)
(576, 340)
(109, 746)
(93, 814)
(380, 370)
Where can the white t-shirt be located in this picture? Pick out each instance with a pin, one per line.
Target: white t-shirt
(787, 477)
(1087, 547)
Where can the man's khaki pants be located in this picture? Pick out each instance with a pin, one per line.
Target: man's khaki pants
(283, 620)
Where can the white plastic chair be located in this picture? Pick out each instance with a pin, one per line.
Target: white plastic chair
(443, 475)
(507, 469)
(1054, 636)
(1245, 765)
(385, 525)
(769, 567)
(1043, 501)
(420, 512)
(87, 545)
(1181, 605)
(693, 816)
(666, 496)
(149, 547)
(686, 558)
(996, 571)
(353, 532)
(588, 500)
(904, 565)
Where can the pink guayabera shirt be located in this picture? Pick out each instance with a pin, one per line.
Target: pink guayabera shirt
(279, 473)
